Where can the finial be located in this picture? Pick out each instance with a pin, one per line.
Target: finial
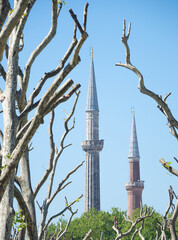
(92, 53)
(133, 110)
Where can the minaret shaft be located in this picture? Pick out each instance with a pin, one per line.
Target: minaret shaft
(92, 181)
(92, 146)
(92, 125)
(134, 171)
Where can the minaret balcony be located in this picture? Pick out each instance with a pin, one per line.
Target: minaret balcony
(139, 184)
(92, 145)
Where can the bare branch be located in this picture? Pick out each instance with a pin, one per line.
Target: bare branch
(76, 21)
(134, 234)
(30, 106)
(4, 9)
(168, 167)
(61, 234)
(176, 159)
(172, 122)
(39, 206)
(59, 9)
(38, 117)
(140, 230)
(147, 213)
(88, 235)
(172, 221)
(85, 16)
(23, 206)
(11, 23)
(2, 72)
(66, 97)
(38, 50)
(52, 160)
(169, 221)
(52, 152)
(57, 95)
(62, 183)
(60, 213)
(167, 95)
(72, 112)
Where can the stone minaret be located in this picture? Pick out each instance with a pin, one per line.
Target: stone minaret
(92, 145)
(134, 187)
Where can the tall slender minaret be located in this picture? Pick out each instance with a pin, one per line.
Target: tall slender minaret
(92, 145)
(134, 187)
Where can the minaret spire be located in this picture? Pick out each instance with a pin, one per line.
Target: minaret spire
(133, 148)
(134, 187)
(92, 145)
(92, 99)
(91, 53)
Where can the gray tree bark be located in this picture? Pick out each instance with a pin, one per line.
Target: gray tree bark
(9, 138)
(18, 129)
(4, 9)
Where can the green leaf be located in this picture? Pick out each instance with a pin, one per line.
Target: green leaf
(168, 163)
(63, 2)
(11, 11)
(19, 221)
(8, 155)
(1, 168)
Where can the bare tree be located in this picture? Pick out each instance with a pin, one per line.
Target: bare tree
(171, 122)
(16, 106)
(143, 214)
(169, 221)
(162, 104)
(166, 223)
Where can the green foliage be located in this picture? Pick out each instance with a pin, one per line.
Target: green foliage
(102, 222)
(52, 228)
(61, 1)
(1, 168)
(11, 11)
(19, 221)
(97, 221)
(150, 225)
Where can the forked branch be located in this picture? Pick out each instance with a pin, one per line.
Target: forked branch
(60, 213)
(172, 122)
(143, 214)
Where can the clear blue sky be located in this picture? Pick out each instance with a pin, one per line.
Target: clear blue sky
(154, 50)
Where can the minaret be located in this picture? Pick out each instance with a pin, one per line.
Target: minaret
(92, 145)
(134, 187)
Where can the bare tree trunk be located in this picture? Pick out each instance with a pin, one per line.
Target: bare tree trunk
(9, 139)
(172, 221)
(28, 196)
(7, 212)
(18, 131)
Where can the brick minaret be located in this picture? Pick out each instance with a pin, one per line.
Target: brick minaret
(92, 145)
(134, 187)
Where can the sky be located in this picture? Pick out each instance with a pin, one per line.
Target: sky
(153, 45)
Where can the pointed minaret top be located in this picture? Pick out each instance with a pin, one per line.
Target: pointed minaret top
(91, 53)
(92, 100)
(133, 112)
(133, 149)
